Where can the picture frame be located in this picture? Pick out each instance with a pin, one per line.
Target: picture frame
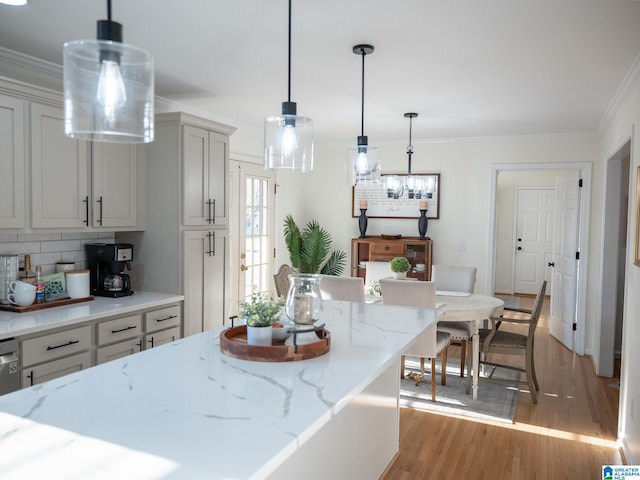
(636, 246)
(379, 205)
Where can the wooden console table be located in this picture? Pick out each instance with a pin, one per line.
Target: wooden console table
(379, 248)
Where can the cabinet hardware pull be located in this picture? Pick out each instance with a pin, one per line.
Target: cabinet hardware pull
(213, 240)
(100, 202)
(70, 342)
(139, 344)
(30, 377)
(213, 217)
(151, 341)
(209, 203)
(123, 329)
(86, 211)
(166, 318)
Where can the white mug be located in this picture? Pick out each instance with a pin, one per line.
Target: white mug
(420, 267)
(22, 298)
(20, 286)
(77, 283)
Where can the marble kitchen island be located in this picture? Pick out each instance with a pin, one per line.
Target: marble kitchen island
(186, 411)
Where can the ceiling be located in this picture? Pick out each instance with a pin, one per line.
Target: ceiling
(469, 68)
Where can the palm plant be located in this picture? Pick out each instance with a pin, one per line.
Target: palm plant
(309, 249)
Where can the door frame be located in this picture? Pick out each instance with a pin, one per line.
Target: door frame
(585, 169)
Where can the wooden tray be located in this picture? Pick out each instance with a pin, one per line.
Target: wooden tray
(40, 306)
(233, 342)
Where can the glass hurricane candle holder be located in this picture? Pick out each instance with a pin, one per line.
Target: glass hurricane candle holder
(304, 303)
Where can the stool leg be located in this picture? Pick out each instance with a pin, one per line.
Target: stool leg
(463, 356)
(433, 379)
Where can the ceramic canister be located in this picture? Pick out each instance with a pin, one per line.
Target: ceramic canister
(77, 282)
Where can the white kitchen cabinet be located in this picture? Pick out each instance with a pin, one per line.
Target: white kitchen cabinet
(205, 261)
(162, 337)
(70, 187)
(118, 350)
(113, 184)
(173, 255)
(205, 176)
(59, 172)
(12, 162)
(54, 369)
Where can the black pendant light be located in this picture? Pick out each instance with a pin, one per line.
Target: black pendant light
(108, 88)
(363, 160)
(288, 138)
(396, 185)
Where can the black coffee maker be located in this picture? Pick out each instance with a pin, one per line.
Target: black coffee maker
(107, 262)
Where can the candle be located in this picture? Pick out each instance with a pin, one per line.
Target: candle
(424, 205)
(363, 204)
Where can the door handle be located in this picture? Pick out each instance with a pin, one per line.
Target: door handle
(551, 264)
(243, 268)
(100, 218)
(519, 248)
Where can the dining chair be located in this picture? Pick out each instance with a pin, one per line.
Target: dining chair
(377, 270)
(431, 342)
(505, 342)
(281, 279)
(456, 279)
(350, 289)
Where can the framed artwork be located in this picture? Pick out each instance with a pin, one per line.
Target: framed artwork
(636, 246)
(380, 205)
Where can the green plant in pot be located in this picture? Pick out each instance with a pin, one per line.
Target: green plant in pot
(400, 266)
(310, 249)
(260, 312)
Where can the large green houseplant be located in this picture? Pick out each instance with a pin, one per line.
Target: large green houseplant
(310, 249)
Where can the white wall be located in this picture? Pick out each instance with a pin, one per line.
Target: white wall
(618, 128)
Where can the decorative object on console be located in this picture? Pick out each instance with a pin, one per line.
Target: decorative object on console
(108, 88)
(400, 266)
(362, 221)
(288, 138)
(309, 249)
(422, 221)
(363, 161)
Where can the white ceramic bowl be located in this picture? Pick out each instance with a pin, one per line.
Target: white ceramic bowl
(279, 335)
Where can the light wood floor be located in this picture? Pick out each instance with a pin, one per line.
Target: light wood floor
(569, 434)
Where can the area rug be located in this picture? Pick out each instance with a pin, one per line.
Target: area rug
(496, 401)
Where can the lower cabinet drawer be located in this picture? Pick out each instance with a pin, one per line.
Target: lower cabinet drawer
(160, 338)
(387, 251)
(119, 329)
(118, 350)
(55, 345)
(162, 318)
(57, 368)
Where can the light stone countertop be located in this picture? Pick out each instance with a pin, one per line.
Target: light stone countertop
(186, 411)
(16, 324)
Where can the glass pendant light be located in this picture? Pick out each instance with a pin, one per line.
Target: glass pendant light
(363, 160)
(396, 185)
(108, 88)
(288, 138)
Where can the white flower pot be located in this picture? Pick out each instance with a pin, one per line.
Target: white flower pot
(400, 275)
(259, 335)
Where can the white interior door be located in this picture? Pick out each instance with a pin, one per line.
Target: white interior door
(252, 223)
(565, 262)
(534, 238)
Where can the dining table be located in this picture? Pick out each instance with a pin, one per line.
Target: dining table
(474, 309)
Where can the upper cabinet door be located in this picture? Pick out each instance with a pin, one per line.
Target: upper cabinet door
(12, 162)
(114, 185)
(204, 177)
(59, 172)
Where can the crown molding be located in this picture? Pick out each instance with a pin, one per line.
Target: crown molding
(618, 98)
(11, 57)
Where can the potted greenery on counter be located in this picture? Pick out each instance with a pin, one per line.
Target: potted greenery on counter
(400, 266)
(259, 313)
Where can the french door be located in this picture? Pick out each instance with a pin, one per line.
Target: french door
(253, 225)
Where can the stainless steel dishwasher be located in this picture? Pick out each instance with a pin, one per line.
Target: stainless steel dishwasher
(9, 366)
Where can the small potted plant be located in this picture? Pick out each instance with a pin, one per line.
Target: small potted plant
(259, 313)
(400, 266)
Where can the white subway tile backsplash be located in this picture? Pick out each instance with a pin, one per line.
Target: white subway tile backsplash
(38, 237)
(47, 249)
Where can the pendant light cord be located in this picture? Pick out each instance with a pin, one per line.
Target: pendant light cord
(289, 63)
(362, 100)
(109, 10)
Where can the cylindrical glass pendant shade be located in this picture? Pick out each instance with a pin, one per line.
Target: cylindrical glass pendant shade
(108, 92)
(288, 143)
(363, 161)
(394, 185)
